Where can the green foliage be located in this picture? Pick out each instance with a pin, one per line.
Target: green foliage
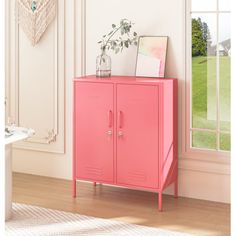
(206, 32)
(203, 88)
(200, 37)
(124, 40)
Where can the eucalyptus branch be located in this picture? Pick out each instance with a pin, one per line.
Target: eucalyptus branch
(111, 36)
(119, 44)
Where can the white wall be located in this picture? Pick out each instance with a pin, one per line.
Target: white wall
(198, 179)
(54, 158)
(151, 17)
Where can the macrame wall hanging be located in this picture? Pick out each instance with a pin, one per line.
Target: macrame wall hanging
(34, 16)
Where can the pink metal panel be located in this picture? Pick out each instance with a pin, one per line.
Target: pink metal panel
(167, 134)
(74, 143)
(175, 140)
(124, 79)
(94, 129)
(137, 131)
(170, 122)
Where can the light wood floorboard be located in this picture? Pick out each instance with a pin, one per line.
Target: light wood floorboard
(198, 217)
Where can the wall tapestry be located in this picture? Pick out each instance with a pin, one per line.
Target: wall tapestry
(34, 16)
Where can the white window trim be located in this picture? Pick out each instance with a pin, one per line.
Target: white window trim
(189, 153)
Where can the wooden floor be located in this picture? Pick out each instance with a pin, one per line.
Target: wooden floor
(183, 214)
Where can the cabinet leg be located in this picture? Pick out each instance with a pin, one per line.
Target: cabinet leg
(74, 188)
(94, 184)
(160, 201)
(176, 188)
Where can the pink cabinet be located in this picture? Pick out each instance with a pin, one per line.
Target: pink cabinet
(125, 132)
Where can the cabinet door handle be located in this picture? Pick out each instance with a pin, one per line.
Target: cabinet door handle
(109, 133)
(120, 119)
(120, 133)
(110, 119)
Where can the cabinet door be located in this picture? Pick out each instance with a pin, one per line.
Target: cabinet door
(93, 107)
(137, 135)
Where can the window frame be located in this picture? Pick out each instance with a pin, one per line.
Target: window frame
(188, 152)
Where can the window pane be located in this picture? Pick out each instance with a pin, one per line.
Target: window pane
(225, 57)
(202, 139)
(224, 5)
(204, 71)
(225, 142)
(204, 5)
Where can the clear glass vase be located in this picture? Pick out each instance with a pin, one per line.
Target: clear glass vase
(103, 65)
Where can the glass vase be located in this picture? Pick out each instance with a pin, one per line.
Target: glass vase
(103, 65)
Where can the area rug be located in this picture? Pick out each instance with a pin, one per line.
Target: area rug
(37, 221)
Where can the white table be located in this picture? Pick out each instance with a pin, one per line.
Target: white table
(16, 134)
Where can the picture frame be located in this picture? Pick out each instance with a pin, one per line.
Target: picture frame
(151, 56)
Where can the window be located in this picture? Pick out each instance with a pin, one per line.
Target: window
(209, 126)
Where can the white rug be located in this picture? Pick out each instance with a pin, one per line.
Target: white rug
(37, 221)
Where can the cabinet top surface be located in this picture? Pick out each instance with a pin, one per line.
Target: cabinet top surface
(122, 79)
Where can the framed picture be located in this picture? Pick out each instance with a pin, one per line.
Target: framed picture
(151, 56)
